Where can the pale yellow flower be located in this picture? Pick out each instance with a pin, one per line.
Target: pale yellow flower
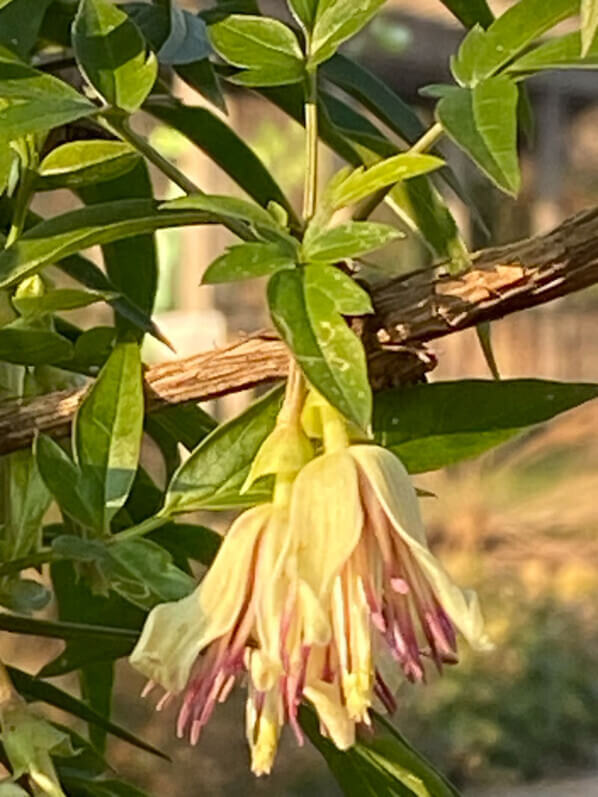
(362, 548)
(250, 616)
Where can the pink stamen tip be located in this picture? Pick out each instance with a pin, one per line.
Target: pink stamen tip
(378, 621)
(164, 701)
(399, 585)
(147, 688)
(195, 732)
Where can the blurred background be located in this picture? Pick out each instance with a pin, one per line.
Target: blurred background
(519, 524)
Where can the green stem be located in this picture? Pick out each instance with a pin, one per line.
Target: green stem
(428, 140)
(46, 555)
(29, 162)
(311, 147)
(141, 529)
(421, 146)
(41, 557)
(119, 126)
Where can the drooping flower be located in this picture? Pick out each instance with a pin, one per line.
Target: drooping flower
(307, 593)
(251, 617)
(364, 552)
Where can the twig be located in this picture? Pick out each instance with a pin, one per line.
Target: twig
(409, 312)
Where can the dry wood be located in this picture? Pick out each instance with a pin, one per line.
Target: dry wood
(409, 312)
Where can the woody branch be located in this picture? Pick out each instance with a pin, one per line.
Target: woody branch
(408, 313)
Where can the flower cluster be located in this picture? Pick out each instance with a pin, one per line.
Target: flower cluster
(327, 594)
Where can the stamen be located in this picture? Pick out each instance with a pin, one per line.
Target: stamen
(147, 688)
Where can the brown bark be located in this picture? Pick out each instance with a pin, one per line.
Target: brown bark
(409, 312)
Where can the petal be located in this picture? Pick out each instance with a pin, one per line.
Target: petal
(264, 719)
(391, 484)
(326, 519)
(326, 700)
(461, 605)
(273, 581)
(175, 633)
(286, 450)
(316, 626)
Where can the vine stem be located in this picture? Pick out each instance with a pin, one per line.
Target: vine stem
(310, 191)
(141, 529)
(427, 141)
(120, 127)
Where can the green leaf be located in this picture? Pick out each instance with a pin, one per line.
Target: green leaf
(81, 162)
(36, 102)
(351, 239)
(563, 52)
(380, 764)
(64, 235)
(152, 20)
(96, 678)
(8, 165)
(337, 21)
(112, 54)
(232, 209)
(23, 595)
(24, 502)
(431, 426)
(189, 541)
(304, 12)
(375, 95)
(87, 273)
(32, 689)
(471, 12)
(76, 631)
(145, 575)
(483, 122)
(482, 55)
(106, 787)
(64, 480)
(60, 300)
(306, 306)
(20, 23)
(225, 148)
(131, 263)
(96, 628)
(187, 423)
(362, 182)
(247, 261)
(140, 571)
(187, 41)
(201, 76)
(107, 431)
(215, 472)
(265, 48)
(96, 681)
(419, 204)
(589, 24)
(31, 346)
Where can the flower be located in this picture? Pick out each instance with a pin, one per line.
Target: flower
(250, 615)
(362, 549)
(307, 592)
